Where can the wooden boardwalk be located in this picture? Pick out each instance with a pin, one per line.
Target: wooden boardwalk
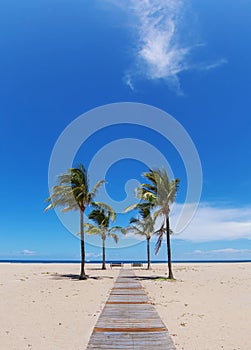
(129, 320)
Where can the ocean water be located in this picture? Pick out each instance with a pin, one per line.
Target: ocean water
(114, 261)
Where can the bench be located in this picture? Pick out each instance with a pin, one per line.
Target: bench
(137, 264)
(118, 264)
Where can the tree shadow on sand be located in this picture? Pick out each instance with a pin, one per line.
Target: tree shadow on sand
(149, 278)
(75, 277)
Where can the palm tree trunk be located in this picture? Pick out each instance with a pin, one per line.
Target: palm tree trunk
(168, 241)
(148, 254)
(82, 273)
(103, 248)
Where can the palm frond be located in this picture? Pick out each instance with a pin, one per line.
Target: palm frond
(50, 206)
(161, 191)
(145, 209)
(93, 230)
(69, 208)
(133, 229)
(130, 208)
(108, 210)
(134, 221)
(149, 187)
(160, 232)
(150, 176)
(145, 193)
(148, 196)
(98, 216)
(124, 230)
(101, 216)
(138, 231)
(61, 196)
(72, 190)
(115, 228)
(157, 213)
(173, 190)
(114, 236)
(95, 188)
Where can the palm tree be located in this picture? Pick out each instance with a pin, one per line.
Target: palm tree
(102, 218)
(72, 193)
(160, 192)
(143, 226)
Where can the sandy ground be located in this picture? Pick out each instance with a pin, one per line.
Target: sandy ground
(208, 307)
(45, 306)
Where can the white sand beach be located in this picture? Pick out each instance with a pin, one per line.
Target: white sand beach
(208, 307)
(45, 306)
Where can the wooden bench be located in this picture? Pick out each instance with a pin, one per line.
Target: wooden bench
(135, 264)
(117, 264)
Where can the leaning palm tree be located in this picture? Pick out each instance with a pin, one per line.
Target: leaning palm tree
(102, 219)
(143, 226)
(160, 192)
(72, 193)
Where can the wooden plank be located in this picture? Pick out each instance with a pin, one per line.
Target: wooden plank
(139, 341)
(128, 320)
(128, 330)
(127, 302)
(127, 285)
(128, 298)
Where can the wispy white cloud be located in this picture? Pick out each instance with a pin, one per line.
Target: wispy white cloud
(222, 251)
(159, 53)
(212, 223)
(128, 82)
(92, 255)
(214, 65)
(28, 252)
(161, 49)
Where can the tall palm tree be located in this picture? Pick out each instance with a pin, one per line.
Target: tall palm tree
(143, 226)
(72, 193)
(102, 219)
(160, 192)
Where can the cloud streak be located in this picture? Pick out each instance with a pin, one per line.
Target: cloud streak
(92, 255)
(161, 50)
(222, 251)
(128, 82)
(159, 54)
(214, 65)
(28, 252)
(213, 223)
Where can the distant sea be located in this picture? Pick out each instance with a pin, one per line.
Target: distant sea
(114, 261)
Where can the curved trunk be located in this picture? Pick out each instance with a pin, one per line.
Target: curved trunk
(148, 254)
(168, 241)
(103, 252)
(82, 273)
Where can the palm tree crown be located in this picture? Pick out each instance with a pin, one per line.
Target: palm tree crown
(160, 192)
(145, 224)
(72, 191)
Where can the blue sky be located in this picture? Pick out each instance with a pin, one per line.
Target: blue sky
(60, 59)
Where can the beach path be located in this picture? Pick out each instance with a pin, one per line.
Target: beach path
(129, 320)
